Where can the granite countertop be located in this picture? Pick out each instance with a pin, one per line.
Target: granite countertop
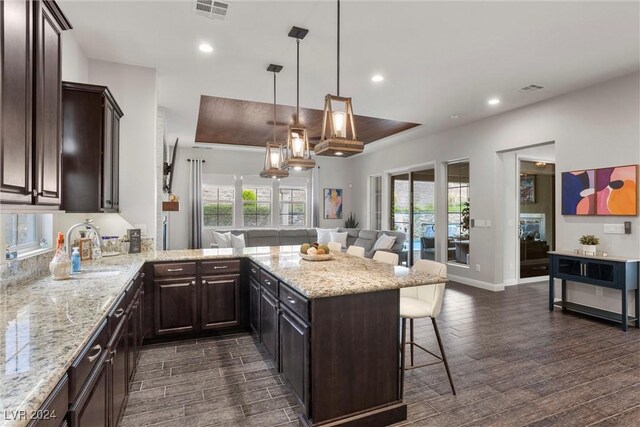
(48, 322)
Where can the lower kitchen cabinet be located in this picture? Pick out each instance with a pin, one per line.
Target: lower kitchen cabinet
(92, 407)
(175, 306)
(220, 301)
(269, 323)
(254, 308)
(119, 375)
(294, 353)
(135, 330)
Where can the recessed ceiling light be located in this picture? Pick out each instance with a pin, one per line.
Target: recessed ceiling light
(454, 116)
(339, 153)
(205, 47)
(297, 168)
(493, 101)
(377, 78)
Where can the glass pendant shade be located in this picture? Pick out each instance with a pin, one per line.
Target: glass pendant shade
(272, 162)
(297, 154)
(339, 136)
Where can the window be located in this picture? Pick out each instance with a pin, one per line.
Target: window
(458, 210)
(293, 203)
(375, 204)
(256, 206)
(217, 205)
(24, 233)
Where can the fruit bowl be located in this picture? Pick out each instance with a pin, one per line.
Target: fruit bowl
(323, 257)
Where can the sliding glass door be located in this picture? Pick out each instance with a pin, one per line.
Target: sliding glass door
(413, 213)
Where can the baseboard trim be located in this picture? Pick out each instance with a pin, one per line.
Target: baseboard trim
(476, 283)
(510, 282)
(536, 279)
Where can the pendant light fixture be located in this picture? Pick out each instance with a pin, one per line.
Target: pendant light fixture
(297, 153)
(274, 153)
(339, 136)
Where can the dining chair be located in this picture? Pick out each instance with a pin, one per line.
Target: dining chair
(386, 257)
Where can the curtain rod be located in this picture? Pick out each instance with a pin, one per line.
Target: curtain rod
(203, 161)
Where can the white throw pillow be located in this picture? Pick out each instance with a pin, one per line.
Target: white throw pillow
(324, 235)
(384, 242)
(237, 242)
(339, 237)
(223, 240)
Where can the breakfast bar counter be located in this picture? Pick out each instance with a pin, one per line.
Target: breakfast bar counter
(352, 304)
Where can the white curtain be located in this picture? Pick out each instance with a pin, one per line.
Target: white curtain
(195, 203)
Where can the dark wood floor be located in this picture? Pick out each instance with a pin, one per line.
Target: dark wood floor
(514, 364)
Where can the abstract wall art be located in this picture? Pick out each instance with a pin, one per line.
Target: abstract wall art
(527, 189)
(617, 190)
(579, 192)
(333, 203)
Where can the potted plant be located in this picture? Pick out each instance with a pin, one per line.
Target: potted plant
(589, 243)
(351, 221)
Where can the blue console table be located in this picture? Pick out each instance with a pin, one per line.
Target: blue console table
(609, 272)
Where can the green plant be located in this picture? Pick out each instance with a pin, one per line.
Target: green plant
(465, 216)
(351, 221)
(249, 195)
(589, 239)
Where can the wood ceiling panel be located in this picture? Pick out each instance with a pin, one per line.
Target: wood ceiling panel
(237, 122)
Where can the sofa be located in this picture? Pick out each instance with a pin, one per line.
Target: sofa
(297, 236)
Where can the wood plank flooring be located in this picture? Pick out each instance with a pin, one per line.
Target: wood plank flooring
(513, 362)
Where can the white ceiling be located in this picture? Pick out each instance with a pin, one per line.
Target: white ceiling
(438, 58)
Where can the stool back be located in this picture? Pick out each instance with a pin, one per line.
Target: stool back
(335, 247)
(432, 294)
(386, 257)
(356, 251)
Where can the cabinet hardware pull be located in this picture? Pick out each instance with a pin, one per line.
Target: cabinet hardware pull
(142, 275)
(218, 267)
(119, 312)
(290, 300)
(173, 270)
(98, 350)
(253, 270)
(193, 282)
(267, 282)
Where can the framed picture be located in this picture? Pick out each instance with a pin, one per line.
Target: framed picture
(85, 249)
(527, 190)
(333, 203)
(579, 192)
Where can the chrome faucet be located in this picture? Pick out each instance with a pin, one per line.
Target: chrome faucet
(87, 223)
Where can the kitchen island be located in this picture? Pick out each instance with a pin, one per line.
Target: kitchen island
(348, 323)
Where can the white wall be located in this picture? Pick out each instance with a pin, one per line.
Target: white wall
(593, 127)
(75, 65)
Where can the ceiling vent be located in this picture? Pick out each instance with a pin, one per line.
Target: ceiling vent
(211, 9)
(530, 88)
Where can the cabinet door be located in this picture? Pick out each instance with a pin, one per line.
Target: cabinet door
(115, 163)
(92, 408)
(107, 157)
(15, 101)
(220, 301)
(254, 308)
(119, 376)
(131, 339)
(294, 353)
(48, 106)
(269, 324)
(175, 303)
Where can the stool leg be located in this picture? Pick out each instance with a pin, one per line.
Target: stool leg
(402, 346)
(444, 357)
(411, 339)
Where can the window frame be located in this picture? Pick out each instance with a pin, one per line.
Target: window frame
(281, 202)
(458, 187)
(38, 233)
(257, 202)
(218, 202)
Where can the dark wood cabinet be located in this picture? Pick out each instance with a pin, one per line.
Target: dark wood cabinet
(269, 323)
(30, 102)
(294, 353)
(53, 412)
(254, 308)
(90, 148)
(135, 321)
(175, 306)
(92, 407)
(118, 373)
(220, 301)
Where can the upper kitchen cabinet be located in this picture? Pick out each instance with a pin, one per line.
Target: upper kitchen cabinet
(90, 148)
(30, 102)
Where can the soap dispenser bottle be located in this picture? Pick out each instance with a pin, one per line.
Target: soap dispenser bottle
(75, 260)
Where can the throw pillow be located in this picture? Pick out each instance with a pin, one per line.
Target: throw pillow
(384, 242)
(324, 235)
(223, 240)
(237, 242)
(339, 237)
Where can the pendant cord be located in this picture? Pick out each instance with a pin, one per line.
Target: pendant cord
(274, 108)
(338, 42)
(297, 81)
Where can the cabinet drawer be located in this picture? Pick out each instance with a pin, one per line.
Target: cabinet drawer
(53, 411)
(174, 269)
(294, 301)
(254, 271)
(269, 282)
(87, 360)
(135, 283)
(117, 312)
(221, 267)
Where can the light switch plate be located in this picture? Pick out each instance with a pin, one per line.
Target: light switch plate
(480, 223)
(614, 228)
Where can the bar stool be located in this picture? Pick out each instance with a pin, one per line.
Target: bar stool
(423, 301)
(356, 251)
(386, 257)
(335, 247)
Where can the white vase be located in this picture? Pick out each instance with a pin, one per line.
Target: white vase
(589, 249)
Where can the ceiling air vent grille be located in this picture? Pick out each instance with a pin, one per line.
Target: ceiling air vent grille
(530, 88)
(211, 9)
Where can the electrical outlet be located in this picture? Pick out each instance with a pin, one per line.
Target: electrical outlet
(599, 291)
(480, 223)
(478, 268)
